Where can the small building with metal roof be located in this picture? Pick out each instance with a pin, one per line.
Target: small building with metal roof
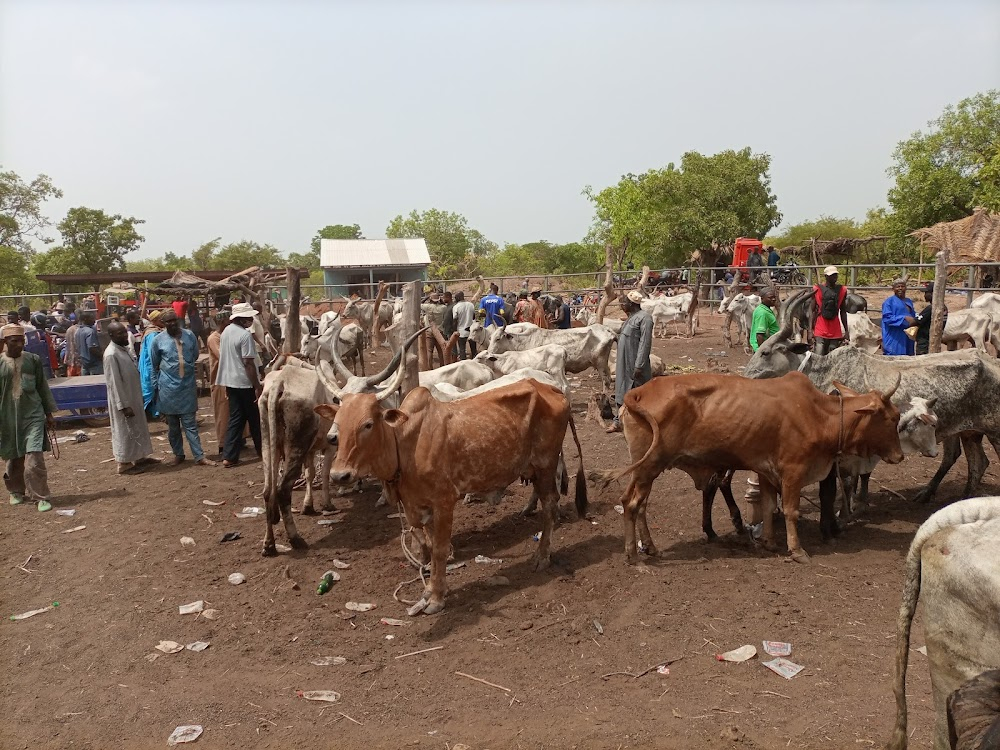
(357, 266)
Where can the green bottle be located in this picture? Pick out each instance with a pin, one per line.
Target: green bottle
(325, 583)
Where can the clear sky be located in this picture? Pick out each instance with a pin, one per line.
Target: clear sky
(266, 121)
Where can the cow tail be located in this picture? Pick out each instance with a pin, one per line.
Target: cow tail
(581, 478)
(654, 426)
(271, 454)
(956, 514)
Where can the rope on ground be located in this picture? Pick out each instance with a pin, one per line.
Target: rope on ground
(411, 558)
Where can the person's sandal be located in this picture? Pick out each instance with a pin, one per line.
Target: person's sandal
(205, 462)
(230, 464)
(613, 428)
(174, 461)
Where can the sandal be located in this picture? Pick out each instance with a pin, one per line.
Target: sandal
(230, 464)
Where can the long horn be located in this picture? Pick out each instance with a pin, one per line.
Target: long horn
(334, 333)
(325, 373)
(791, 309)
(372, 380)
(887, 396)
(393, 385)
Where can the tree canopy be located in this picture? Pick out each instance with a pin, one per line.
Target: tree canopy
(454, 247)
(823, 228)
(97, 241)
(21, 217)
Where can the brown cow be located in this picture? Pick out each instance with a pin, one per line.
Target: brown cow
(790, 434)
(429, 453)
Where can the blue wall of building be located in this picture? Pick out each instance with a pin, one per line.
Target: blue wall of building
(346, 281)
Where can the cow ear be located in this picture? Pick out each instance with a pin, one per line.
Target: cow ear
(844, 390)
(928, 419)
(394, 417)
(327, 411)
(866, 410)
(798, 348)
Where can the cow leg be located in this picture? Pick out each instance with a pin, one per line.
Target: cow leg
(361, 359)
(605, 371)
(978, 463)
(707, 499)
(952, 450)
(270, 501)
(862, 494)
(726, 485)
(309, 473)
(632, 501)
(293, 469)
(440, 547)
(325, 468)
(827, 502)
(847, 482)
(545, 486)
(790, 505)
(768, 502)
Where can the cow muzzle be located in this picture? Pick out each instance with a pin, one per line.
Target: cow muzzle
(342, 477)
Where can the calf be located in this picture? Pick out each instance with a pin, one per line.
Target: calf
(586, 348)
(427, 454)
(588, 317)
(793, 439)
(953, 566)
(863, 333)
(665, 310)
(976, 325)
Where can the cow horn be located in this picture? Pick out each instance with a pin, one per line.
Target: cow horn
(333, 332)
(790, 310)
(393, 385)
(372, 380)
(887, 396)
(325, 373)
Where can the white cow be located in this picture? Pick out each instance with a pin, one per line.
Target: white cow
(666, 310)
(974, 324)
(362, 310)
(656, 365)
(448, 392)
(589, 317)
(988, 301)
(585, 347)
(917, 436)
(350, 344)
(464, 375)
(550, 358)
(740, 308)
(863, 332)
(953, 563)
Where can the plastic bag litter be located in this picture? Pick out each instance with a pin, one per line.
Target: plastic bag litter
(777, 648)
(169, 647)
(198, 646)
(359, 606)
(329, 521)
(328, 696)
(80, 437)
(237, 578)
(340, 564)
(738, 655)
(782, 666)
(664, 669)
(282, 547)
(620, 510)
(66, 512)
(193, 608)
(254, 510)
(213, 502)
(187, 541)
(393, 621)
(329, 661)
(210, 614)
(75, 528)
(485, 559)
(31, 613)
(187, 733)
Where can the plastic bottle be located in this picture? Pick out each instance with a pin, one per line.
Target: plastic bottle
(325, 583)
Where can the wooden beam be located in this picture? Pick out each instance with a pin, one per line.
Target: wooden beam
(293, 323)
(609, 287)
(937, 302)
(410, 325)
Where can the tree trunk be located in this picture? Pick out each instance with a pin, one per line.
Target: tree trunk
(937, 302)
(293, 323)
(410, 324)
(609, 285)
(693, 307)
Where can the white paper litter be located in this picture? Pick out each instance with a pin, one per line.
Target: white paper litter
(922, 650)
(236, 578)
(359, 606)
(485, 559)
(210, 614)
(329, 661)
(169, 647)
(329, 521)
(75, 528)
(187, 733)
(620, 510)
(282, 547)
(737, 655)
(254, 510)
(393, 621)
(187, 541)
(31, 613)
(213, 502)
(198, 646)
(329, 696)
(777, 648)
(340, 564)
(66, 512)
(782, 666)
(193, 608)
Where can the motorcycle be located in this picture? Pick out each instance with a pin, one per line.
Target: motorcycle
(789, 274)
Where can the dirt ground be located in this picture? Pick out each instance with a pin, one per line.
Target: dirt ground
(82, 675)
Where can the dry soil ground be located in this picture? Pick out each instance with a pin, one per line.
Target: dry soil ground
(81, 675)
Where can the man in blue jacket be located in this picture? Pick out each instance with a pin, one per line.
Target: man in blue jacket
(898, 314)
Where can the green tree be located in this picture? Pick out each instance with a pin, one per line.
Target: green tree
(98, 241)
(237, 256)
(311, 260)
(543, 257)
(58, 260)
(943, 173)
(454, 247)
(169, 262)
(202, 257)
(14, 275)
(21, 218)
(823, 228)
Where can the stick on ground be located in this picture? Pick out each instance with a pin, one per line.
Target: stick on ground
(484, 682)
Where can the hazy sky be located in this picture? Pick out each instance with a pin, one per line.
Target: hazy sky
(266, 121)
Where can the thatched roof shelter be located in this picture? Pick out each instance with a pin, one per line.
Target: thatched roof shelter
(974, 239)
(248, 281)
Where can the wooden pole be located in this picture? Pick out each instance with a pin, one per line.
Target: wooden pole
(410, 325)
(937, 302)
(376, 323)
(609, 286)
(293, 324)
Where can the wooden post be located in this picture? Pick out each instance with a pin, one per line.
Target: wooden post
(609, 287)
(293, 324)
(410, 325)
(376, 323)
(937, 302)
(971, 286)
(693, 307)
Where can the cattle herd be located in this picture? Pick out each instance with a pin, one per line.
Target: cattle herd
(804, 419)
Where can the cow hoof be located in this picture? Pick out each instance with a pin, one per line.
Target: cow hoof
(649, 550)
(800, 556)
(541, 563)
(528, 510)
(433, 607)
(924, 496)
(712, 536)
(298, 542)
(308, 510)
(269, 550)
(417, 608)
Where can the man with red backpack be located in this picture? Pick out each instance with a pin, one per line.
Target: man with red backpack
(830, 329)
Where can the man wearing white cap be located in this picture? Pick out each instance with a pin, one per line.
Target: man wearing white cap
(238, 373)
(26, 408)
(635, 340)
(830, 329)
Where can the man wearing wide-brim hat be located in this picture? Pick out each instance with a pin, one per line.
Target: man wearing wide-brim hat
(238, 374)
(26, 408)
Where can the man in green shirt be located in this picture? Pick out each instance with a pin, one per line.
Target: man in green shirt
(764, 324)
(26, 407)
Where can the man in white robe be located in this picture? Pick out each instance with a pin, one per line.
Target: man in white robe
(129, 432)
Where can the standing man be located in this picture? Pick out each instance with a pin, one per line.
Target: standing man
(536, 311)
(764, 324)
(238, 374)
(563, 319)
(172, 357)
(88, 346)
(635, 340)
(898, 314)
(26, 408)
(448, 321)
(134, 327)
(830, 329)
(220, 399)
(923, 340)
(73, 368)
(772, 257)
(492, 303)
(180, 307)
(130, 441)
(522, 308)
(464, 313)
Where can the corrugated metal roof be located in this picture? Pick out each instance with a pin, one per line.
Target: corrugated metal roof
(365, 253)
